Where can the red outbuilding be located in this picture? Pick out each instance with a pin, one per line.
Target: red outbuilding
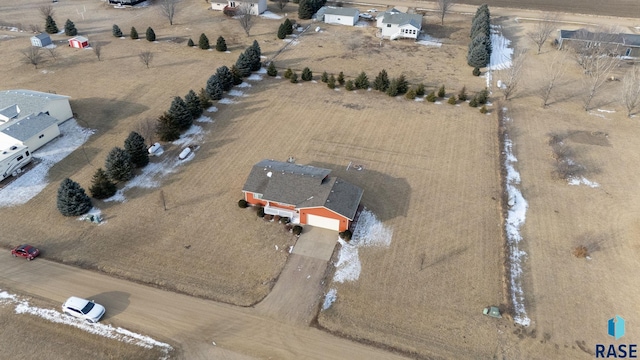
(79, 42)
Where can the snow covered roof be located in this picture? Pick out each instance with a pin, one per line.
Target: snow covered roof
(342, 11)
(400, 19)
(27, 127)
(303, 186)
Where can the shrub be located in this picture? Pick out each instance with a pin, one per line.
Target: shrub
(260, 212)
(420, 90)
(190, 43)
(221, 44)
(331, 83)
(392, 89)
(203, 43)
(580, 251)
(462, 95)
(452, 100)
(381, 82)
(402, 83)
(483, 96)
(441, 92)
(341, 78)
(293, 78)
(349, 85)
(345, 235)
(483, 109)
(410, 95)
(150, 34)
(432, 97)
(284, 220)
(362, 81)
(473, 102)
(134, 34)
(271, 69)
(288, 26)
(243, 204)
(268, 217)
(115, 30)
(324, 77)
(476, 71)
(282, 32)
(288, 73)
(307, 75)
(297, 230)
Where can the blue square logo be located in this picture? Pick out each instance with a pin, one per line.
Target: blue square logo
(616, 327)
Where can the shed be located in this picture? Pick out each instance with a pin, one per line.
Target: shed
(41, 40)
(341, 15)
(79, 42)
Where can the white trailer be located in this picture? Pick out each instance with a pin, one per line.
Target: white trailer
(13, 159)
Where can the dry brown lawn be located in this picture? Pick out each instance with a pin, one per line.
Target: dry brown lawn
(431, 174)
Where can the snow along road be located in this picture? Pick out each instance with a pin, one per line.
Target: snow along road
(191, 324)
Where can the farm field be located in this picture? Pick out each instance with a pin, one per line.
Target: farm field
(431, 175)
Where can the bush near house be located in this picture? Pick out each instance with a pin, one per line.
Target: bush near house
(242, 203)
(483, 96)
(260, 211)
(345, 235)
(297, 230)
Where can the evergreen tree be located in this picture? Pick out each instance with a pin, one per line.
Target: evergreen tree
(477, 55)
(253, 53)
(118, 165)
(226, 78)
(441, 91)
(237, 75)
(411, 94)
(476, 71)
(473, 102)
(307, 75)
(244, 64)
(362, 82)
(324, 77)
(72, 200)
(203, 43)
(271, 69)
(341, 78)
(134, 34)
(134, 145)
(115, 30)
(381, 82)
(167, 129)
(348, 85)
(482, 97)
(180, 113)
(193, 104)
(101, 186)
(392, 89)
(432, 97)
(293, 78)
(420, 90)
(288, 26)
(462, 95)
(452, 100)
(282, 32)
(70, 28)
(403, 84)
(190, 43)
(331, 83)
(151, 35)
(214, 88)
(50, 26)
(221, 44)
(204, 99)
(287, 73)
(305, 9)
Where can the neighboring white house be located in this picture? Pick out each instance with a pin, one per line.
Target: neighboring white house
(395, 24)
(16, 104)
(256, 7)
(341, 15)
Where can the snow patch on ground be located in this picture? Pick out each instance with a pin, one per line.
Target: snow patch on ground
(515, 219)
(427, 40)
(583, 181)
(329, 298)
(22, 307)
(236, 93)
(226, 101)
(244, 84)
(212, 109)
(254, 77)
(204, 119)
(606, 111)
(501, 52)
(269, 15)
(262, 71)
(30, 183)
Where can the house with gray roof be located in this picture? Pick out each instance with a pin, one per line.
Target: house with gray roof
(306, 194)
(34, 102)
(620, 44)
(41, 40)
(33, 131)
(395, 24)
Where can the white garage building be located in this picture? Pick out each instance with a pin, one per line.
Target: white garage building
(341, 15)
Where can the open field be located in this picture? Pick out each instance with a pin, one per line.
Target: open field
(432, 174)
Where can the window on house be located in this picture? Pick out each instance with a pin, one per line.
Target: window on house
(388, 25)
(20, 158)
(40, 136)
(26, 153)
(257, 196)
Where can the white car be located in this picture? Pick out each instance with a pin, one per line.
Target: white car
(83, 309)
(366, 16)
(372, 10)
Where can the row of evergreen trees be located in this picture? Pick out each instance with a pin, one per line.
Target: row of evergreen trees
(150, 35)
(119, 166)
(307, 8)
(286, 28)
(203, 43)
(51, 27)
(479, 53)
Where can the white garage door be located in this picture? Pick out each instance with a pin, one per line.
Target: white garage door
(323, 222)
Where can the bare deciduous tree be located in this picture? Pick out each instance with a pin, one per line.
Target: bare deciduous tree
(243, 14)
(146, 57)
(443, 8)
(32, 56)
(543, 29)
(555, 70)
(282, 4)
(35, 28)
(600, 67)
(169, 9)
(97, 49)
(147, 129)
(53, 52)
(631, 90)
(513, 74)
(46, 11)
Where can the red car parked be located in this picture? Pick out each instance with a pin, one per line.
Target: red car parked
(25, 251)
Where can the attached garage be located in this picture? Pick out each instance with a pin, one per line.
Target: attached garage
(323, 222)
